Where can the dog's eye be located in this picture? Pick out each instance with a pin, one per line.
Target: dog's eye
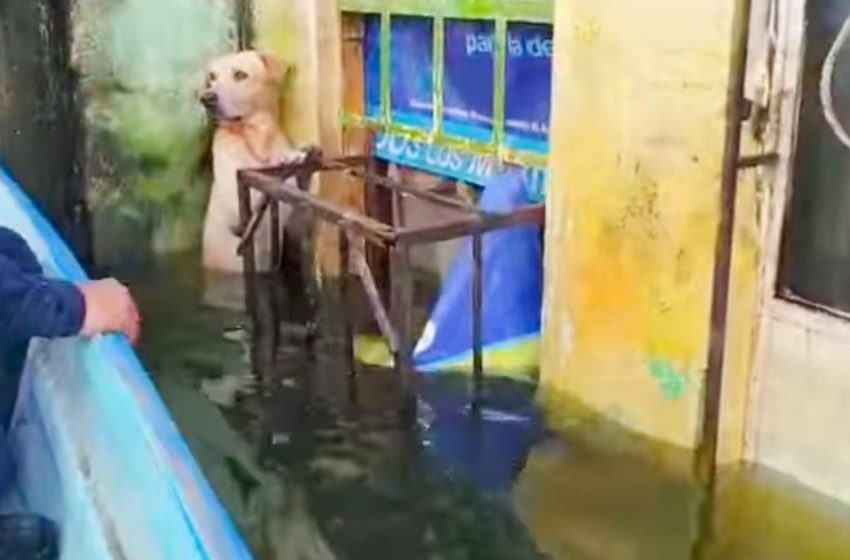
(211, 77)
(240, 75)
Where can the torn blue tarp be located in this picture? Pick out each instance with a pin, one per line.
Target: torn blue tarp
(513, 293)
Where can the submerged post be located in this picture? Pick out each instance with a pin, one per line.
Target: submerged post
(249, 263)
(400, 308)
(276, 234)
(379, 205)
(706, 455)
(345, 304)
(303, 180)
(477, 320)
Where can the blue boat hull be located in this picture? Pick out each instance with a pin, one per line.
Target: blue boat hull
(93, 446)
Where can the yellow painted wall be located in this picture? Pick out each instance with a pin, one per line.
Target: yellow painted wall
(639, 103)
(307, 35)
(289, 29)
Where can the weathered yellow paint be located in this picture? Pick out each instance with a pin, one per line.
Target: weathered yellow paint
(287, 28)
(742, 337)
(307, 35)
(590, 502)
(638, 133)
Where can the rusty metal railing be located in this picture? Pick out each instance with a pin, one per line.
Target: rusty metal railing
(358, 229)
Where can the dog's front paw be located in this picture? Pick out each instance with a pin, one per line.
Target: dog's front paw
(310, 152)
(300, 155)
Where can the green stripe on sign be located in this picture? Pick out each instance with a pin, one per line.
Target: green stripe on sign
(540, 11)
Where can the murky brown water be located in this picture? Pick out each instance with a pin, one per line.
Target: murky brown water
(308, 473)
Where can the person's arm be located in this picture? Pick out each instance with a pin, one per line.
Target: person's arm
(32, 305)
(109, 309)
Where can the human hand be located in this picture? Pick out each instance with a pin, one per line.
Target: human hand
(110, 309)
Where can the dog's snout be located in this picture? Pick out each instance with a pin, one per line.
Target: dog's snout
(209, 99)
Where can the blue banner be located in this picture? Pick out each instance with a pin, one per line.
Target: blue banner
(412, 71)
(468, 80)
(528, 86)
(468, 92)
(475, 169)
(469, 69)
(372, 64)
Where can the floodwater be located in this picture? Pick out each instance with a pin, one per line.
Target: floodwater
(312, 469)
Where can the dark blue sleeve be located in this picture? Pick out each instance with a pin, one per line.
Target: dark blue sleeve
(32, 305)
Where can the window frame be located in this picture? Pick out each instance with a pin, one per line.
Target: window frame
(501, 12)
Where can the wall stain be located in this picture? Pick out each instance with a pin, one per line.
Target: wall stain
(672, 383)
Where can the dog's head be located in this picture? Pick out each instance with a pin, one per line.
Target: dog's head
(241, 85)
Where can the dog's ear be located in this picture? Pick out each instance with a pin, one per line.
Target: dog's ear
(275, 67)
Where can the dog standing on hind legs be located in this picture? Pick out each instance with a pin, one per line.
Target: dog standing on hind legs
(242, 99)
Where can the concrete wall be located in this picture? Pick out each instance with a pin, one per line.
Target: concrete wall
(307, 34)
(141, 64)
(632, 215)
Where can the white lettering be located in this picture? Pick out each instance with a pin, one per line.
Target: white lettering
(414, 149)
(457, 160)
(514, 46)
(478, 43)
(397, 145)
(431, 155)
(383, 140)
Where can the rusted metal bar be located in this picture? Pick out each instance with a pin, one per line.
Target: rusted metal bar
(379, 206)
(423, 194)
(398, 207)
(311, 289)
(276, 254)
(706, 456)
(534, 214)
(477, 320)
(282, 173)
(444, 187)
(344, 163)
(276, 233)
(393, 235)
(402, 286)
(375, 301)
(345, 295)
(747, 162)
(396, 302)
(312, 162)
(249, 264)
(367, 227)
(251, 228)
(400, 310)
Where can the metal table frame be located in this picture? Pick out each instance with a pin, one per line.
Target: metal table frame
(395, 238)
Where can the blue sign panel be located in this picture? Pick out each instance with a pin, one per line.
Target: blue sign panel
(528, 86)
(372, 64)
(412, 71)
(469, 78)
(467, 84)
(475, 169)
(468, 92)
